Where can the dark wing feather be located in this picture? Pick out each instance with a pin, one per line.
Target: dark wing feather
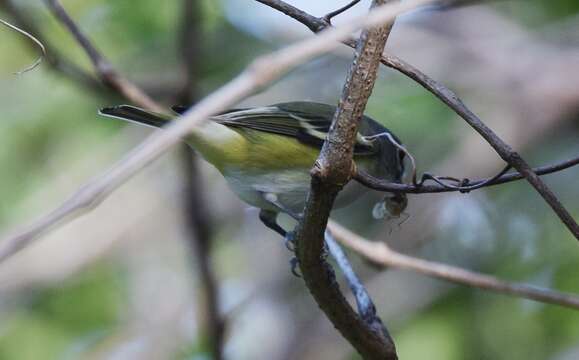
(307, 122)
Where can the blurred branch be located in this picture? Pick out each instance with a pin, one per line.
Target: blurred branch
(381, 254)
(105, 71)
(380, 185)
(189, 41)
(200, 231)
(34, 41)
(331, 172)
(448, 97)
(197, 214)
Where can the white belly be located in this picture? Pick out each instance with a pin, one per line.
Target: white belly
(289, 187)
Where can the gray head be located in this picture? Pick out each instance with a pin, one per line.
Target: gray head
(390, 165)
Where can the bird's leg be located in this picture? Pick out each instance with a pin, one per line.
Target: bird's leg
(269, 219)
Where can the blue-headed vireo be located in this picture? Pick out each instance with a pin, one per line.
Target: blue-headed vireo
(266, 153)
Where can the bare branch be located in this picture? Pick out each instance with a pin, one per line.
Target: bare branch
(380, 185)
(448, 97)
(381, 254)
(331, 172)
(313, 23)
(37, 42)
(329, 16)
(105, 71)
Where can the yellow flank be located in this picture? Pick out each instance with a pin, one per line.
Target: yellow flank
(249, 149)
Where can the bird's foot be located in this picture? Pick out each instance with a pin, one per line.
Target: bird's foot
(325, 251)
(294, 266)
(289, 241)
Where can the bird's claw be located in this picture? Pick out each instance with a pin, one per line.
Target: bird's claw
(294, 265)
(325, 251)
(290, 241)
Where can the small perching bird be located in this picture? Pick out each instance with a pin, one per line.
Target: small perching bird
(266, 153)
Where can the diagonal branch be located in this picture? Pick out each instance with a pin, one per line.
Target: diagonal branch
(103, 68)
(448, 97)
(381, 254)
(331, 172)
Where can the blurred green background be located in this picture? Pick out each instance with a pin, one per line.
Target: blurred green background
(119, 283)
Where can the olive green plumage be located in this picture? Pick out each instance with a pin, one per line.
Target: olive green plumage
(265, 153)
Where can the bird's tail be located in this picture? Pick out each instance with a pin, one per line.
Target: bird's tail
(136, 115)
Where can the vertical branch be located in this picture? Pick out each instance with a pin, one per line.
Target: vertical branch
(197, 215)
(332, 171)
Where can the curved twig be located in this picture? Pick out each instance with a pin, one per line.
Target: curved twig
(329, 16)
(34, 40)
(377, 184)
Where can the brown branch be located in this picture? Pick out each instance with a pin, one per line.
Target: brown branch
(331, 172)
(329, 16)
(105, 71)
(381, 254)
(381, 185)
(448, 97)
(313, 23)
(197, 215)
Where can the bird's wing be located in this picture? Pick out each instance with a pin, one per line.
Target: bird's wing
(307, 122)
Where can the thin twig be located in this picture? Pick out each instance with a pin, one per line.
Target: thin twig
(37, 42)
(455, 103)
(105, 71)
(381, 254)
(332, 171)
(380, 185)
(329, 16)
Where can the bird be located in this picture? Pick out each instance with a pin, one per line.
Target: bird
(265, 153)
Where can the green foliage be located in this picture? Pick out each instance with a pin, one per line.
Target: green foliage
(64, 318)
